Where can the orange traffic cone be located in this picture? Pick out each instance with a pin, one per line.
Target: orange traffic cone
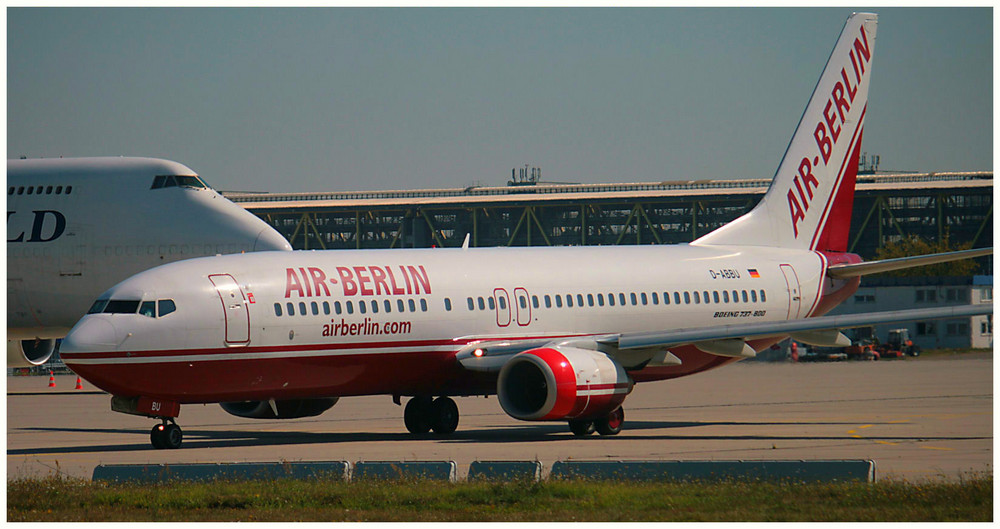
(52, 380)
(79, 383)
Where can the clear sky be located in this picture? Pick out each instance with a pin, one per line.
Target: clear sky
(352, 99)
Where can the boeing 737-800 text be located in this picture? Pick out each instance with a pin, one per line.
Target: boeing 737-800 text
(76, 226)
(556, 333)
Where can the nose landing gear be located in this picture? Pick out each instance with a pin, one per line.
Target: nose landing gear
(166, 435)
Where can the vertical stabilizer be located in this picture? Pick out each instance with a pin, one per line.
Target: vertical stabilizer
(809, 203)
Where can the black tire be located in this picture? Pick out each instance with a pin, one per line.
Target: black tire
(444, 416)
(172, 436)
(581, 428)
(417, 415)
(156, 437)
(612, 424)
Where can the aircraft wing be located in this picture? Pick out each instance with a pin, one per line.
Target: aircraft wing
(721, 340)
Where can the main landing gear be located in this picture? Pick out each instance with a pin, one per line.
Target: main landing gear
(166, 435)
(610, 425)
(423, 414)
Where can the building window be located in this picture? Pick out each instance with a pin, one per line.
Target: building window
(864, 298)
(957, 329)
(926, 329)
(926, 295)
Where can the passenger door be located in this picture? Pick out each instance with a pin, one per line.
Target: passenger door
(234, 307)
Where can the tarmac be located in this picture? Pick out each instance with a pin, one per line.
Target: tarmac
(926, 418)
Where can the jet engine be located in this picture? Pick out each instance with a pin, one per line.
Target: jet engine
(27, 353)
(557, 383)
(287, 409)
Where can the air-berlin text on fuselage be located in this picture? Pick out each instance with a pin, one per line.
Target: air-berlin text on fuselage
(372, 280)
(828, 129)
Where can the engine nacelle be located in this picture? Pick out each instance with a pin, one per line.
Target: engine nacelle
(27, 353)
(556, 383)
(287, 409)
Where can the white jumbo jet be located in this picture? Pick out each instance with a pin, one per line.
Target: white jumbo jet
(558, 334)
(76, 226)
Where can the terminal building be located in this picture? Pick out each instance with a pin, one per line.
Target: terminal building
(956, 206)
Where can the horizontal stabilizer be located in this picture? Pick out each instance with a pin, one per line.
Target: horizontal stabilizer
(842, 271)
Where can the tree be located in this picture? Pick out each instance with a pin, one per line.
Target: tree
(913, 245)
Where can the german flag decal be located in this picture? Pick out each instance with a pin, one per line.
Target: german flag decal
(753, 273)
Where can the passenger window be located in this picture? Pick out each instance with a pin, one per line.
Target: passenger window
(482, 303)
(423, 305)
(148, 309)
(374, 307)
(725, 296)
(447, 304)
(697, 298)
(704, 296)
(590, 300)
(291, 309)
(302, 308)
(656, 298)
(413, 306)
(632, 297)
(48, 190)
(600, 300)
(642, 296)
(277, 309)
(687, 298)
(666, 298)
(753, 296)
(579, 300)
(58, 190)
(736, 296)
(20, 190)
(569, 300)
(523, 301)
(350, 307)
(490, 303)
(472, 305)
(534, 301)
(548, 301)
(362, 307)
(98, 306)
(745, 296)
(326, 308)
(763, 298)
(621, 298)
(677, 298)
(31, 190)
(315, 308)
(336, 307)
(611, 299)
(503, 303)
(388, 305)
(558, 301)
(399, 305)
(715, 296)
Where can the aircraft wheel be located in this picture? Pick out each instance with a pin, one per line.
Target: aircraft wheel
(581, 428)
(417, 415)
(612, 424)
(156, 436)
(444, 416)
(166, 436)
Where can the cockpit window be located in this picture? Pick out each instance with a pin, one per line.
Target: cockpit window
(166, 306)
(148, 309)
(190, 181)
(98, 306)
(121, 306)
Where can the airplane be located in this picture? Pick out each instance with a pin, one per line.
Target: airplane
(76, 226)
(558, 334)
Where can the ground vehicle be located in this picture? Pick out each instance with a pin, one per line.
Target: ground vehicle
(899, 342)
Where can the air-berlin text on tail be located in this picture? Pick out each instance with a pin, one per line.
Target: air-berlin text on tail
(397, 280)
(828, 129)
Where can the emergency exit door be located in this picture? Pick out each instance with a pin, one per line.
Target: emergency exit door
(234, 308)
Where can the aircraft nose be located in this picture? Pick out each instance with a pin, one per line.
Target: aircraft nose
(89, 336)
(270, 239)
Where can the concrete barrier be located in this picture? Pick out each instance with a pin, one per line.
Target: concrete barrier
(330, 470)
(405, 470)
(505, 471)
(817, 470)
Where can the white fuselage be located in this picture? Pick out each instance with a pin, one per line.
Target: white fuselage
(308, 324)
(75, 227)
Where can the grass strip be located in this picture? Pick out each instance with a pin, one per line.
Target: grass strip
(66, 499)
